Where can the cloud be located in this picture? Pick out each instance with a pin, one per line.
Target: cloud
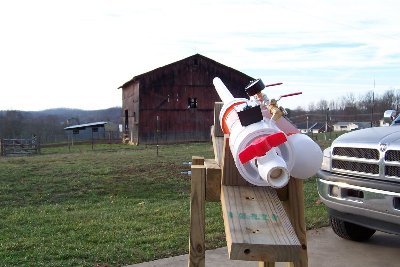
(76, 53)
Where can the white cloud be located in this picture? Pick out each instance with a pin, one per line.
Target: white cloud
(76, 53)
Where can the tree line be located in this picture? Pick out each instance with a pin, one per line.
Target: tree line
(368, 107)
(49, 123)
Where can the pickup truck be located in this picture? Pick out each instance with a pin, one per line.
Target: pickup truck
(359, 182)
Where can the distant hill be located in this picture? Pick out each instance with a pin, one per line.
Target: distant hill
(51, 122)
(83, 116)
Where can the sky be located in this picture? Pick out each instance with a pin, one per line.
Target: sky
(76, 53)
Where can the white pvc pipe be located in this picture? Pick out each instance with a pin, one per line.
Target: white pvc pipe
(222, 91)
(261, 170)
(273, 169)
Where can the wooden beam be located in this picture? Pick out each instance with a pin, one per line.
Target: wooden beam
(196, 160)
(230, 174)
(213, 180)
(217, 126)
(266, 264)
(197, 217)
(256, 225)
(218, 146)
(296, 214)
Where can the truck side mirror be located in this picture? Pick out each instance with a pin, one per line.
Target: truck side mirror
(389, 116)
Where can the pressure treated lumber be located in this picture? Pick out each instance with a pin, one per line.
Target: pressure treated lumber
(217, 110)
(213, 180)
(230, 174)
(295, 205)
(197, 215)
(256, 225)
(218, 145)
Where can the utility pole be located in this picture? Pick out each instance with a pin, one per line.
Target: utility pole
(372, 105)
(326, 120)
(307, 124)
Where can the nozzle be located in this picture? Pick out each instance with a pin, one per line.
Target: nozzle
(222, 91)
(273, 169)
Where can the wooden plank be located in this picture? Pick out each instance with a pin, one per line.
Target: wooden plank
(283, 193)
(217, 126)
(230, 174)
(213, 180)
(196, 160)
(266, 264)
(218, 145)
(256, 225)
(197, 217)
(296, 214)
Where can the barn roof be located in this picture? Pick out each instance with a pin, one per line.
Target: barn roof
(86, 125)
(137, 77)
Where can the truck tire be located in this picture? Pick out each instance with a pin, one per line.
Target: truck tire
(350, 231)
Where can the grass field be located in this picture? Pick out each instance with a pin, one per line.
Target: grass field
(111, 206)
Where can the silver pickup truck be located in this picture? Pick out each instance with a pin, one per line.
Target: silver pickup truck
(359, 182)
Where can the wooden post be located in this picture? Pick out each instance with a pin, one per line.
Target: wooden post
(197, 214)
(213, 180)
(296, 216)
(217, 127)
(39, 145)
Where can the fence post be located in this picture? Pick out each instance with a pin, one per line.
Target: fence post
(39, 144)
(1, 147)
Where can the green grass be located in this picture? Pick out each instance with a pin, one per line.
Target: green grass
(114, 205)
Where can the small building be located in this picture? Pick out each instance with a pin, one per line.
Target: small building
(87, 131)
(316, 127)
(175, 103)
(350, 126)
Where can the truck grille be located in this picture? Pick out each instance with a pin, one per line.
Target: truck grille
(367, 161)
(355, 166)
(355, 152)
(392, 171)
(392, 155)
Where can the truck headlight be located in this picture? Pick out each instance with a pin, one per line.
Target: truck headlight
(326, 160)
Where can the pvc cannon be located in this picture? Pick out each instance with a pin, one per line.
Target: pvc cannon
(267, 148)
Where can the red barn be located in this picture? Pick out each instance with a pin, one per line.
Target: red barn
(175, 103)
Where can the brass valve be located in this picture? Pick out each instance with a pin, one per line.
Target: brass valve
(274, 110)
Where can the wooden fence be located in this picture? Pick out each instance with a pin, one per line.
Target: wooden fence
(19, 146)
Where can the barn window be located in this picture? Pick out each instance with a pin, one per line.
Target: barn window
(75, 131)
(192, 102)
(95, 129)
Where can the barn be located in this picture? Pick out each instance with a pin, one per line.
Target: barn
(175, 103)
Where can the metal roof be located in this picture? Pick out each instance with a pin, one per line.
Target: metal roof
(83, 126)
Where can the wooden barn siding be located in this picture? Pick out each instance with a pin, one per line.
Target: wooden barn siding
(165, 92)
(177, 126)
(130, 102)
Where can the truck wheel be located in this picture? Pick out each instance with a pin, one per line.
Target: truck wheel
(350, 231)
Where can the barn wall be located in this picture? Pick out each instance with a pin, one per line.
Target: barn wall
(165, 92)
(130, 112)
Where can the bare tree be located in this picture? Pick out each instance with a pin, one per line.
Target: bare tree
(322, 105)
(12, 124)
(388, 99)
(311, 106)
